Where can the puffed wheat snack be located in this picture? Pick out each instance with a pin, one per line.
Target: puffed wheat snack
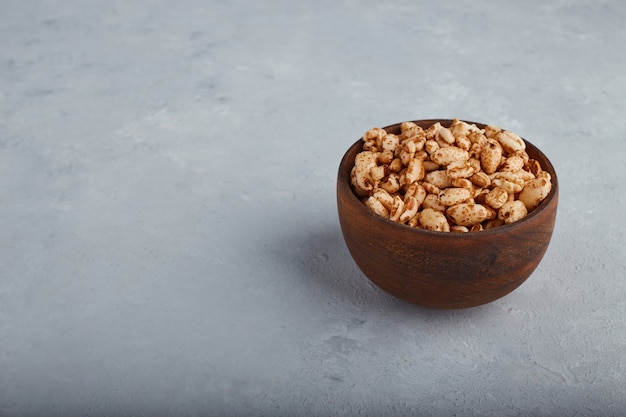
(459, 178)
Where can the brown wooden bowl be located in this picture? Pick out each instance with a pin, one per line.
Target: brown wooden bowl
(438, 269)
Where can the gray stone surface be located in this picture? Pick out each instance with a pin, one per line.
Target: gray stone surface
(169, 243)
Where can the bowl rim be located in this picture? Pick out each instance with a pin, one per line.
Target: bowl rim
(345, 182)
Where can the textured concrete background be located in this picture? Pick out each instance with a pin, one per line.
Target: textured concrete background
(169, 243)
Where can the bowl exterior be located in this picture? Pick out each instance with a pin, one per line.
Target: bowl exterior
(444, 270)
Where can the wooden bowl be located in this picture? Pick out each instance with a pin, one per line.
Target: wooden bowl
(438, 269)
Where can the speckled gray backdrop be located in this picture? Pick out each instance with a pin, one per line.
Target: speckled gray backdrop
(169, 243)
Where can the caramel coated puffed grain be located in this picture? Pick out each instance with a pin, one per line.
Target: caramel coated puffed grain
(459, 178)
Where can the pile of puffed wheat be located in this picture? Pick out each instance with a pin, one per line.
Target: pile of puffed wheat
(459, 179)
